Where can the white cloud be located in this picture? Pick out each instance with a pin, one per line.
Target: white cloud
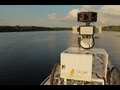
(73, 13)
(52, 16)
(110, 10)
(71, 17)
(89, 8)
(107, 14)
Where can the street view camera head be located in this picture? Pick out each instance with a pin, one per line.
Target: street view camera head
(86, 32)
(87, 17)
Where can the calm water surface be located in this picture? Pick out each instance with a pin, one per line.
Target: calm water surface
(28, 57)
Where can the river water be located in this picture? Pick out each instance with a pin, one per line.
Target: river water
(27, 58)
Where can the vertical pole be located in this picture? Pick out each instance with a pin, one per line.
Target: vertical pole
(106, 64)
(65, 81)
(59, 82)
(87, 23)
(103, 83)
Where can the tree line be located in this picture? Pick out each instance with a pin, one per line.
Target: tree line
(31, 28)
(41, 28)
(111, 28)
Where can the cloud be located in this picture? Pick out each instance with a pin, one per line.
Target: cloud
(73, 13)
(3, 21)
(52, 16)
(89, 7)
(110, 10)
(71, 17)
(107, 14)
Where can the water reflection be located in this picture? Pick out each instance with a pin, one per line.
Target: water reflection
(28, 57)
(117, 35)
(111, 43)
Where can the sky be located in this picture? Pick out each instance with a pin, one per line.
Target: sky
(56, 15)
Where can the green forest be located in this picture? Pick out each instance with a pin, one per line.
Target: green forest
(40, 28)
(30, 28)
(111, 28)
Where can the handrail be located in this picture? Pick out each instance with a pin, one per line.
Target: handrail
(45, 80)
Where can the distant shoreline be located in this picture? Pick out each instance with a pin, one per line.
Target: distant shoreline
(17, 28)
(32, 31)
(31, 28)
(111, 28)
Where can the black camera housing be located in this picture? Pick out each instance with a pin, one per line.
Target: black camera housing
(87, 17)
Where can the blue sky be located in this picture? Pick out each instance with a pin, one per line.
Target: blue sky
(56, 15)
